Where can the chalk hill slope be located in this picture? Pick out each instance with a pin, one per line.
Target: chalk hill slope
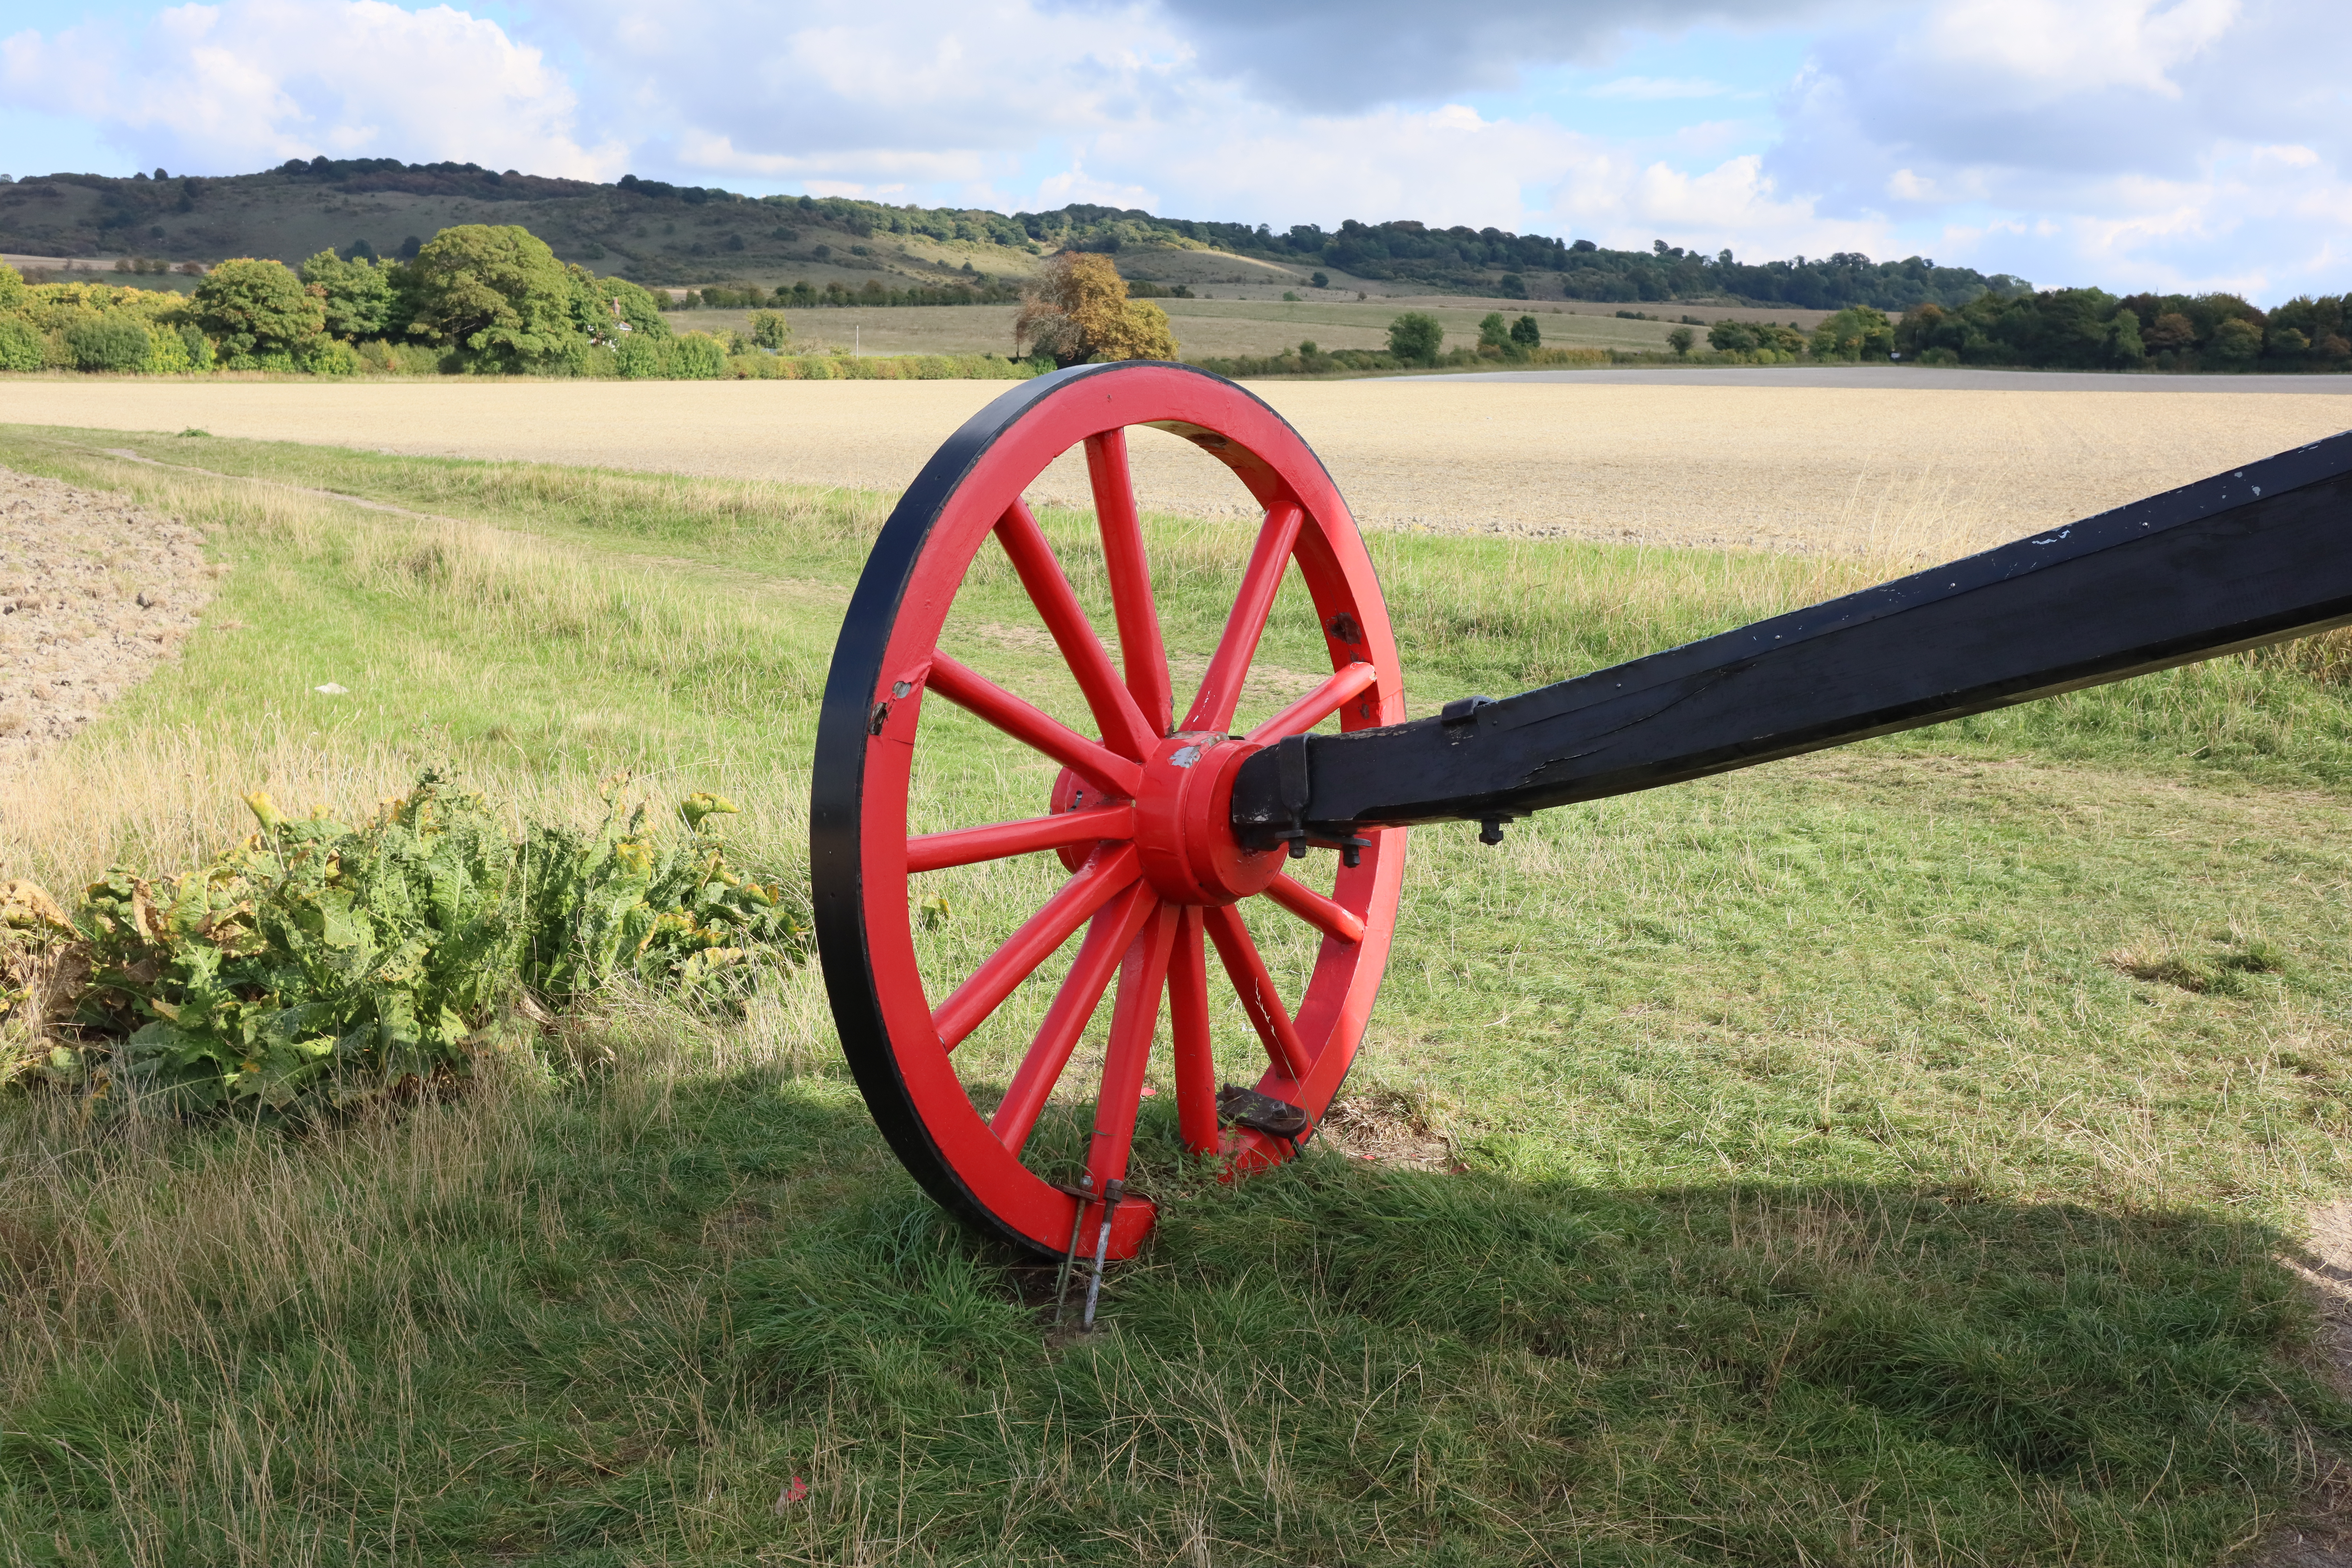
(658, 232)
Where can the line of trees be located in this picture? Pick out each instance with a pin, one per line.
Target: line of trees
(1417, 341)
(2088, 329)
(481, 297)
(1418, 337)
(2068, 329)
(1766, 342)
(477, 298)
(1464, 257)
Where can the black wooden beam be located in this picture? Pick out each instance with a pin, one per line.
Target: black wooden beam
(2256, 555)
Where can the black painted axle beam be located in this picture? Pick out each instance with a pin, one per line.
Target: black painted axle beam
(2252, 556)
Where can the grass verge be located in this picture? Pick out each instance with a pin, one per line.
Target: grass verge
(1877, 1157)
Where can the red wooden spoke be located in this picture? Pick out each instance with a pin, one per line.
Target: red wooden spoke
(968, 689)
(1124, 728)
(1039, 935)
(1001, 841)
(1251, 981)
(1221, 688)
(1107, 938)
(1329, 917)
(1142, 975)
(1317, 705)
(1196, 1061)
(1130, 578)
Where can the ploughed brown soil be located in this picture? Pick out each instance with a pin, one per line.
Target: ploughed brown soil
(94, 592)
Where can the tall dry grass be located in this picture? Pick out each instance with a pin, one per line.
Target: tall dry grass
(160, 784)
(145, 1255)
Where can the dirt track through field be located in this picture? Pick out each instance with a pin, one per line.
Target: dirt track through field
(1772, 467)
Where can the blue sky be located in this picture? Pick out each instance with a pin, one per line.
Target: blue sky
(2130, 143)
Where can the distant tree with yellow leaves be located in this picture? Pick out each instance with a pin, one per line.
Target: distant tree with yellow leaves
(1078, 311)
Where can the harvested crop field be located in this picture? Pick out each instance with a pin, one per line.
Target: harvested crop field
(1890, 471)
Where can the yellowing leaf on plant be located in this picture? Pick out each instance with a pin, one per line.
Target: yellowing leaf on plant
(26, 906)
(701, 804)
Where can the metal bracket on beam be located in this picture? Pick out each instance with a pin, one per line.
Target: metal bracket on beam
(1463, 711)
(1290, 775)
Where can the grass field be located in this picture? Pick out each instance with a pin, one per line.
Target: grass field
(1890, 472)
(1882, 1157)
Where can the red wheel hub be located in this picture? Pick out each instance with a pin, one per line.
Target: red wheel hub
(1183, 824)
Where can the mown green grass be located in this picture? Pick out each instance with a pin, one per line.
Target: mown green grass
(1872, 1158)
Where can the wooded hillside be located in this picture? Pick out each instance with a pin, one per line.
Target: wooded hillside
(661, 234)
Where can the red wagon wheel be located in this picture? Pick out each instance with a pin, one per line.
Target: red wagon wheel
(1138, 816)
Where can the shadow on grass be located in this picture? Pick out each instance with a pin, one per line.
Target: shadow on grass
(673, 1302)
(1342, 1362)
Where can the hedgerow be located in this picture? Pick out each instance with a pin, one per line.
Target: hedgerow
(756, 366)
(1307, 359)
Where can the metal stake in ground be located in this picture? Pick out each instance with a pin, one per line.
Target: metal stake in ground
(1112, 1192)
(1085, 1193)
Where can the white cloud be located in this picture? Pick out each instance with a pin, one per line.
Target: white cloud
(1453, 166)
(250, 82)
(2286, 157)
(1233, 159)
(962, 95)
(1343, 55)
(870, 89)
(1735, 204)
(878, 168)
(2131, 143)
(2067, 48)
(934, 94)
(1076, 185)
(2128, 143)
(1703, 140)
(1653, 89)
